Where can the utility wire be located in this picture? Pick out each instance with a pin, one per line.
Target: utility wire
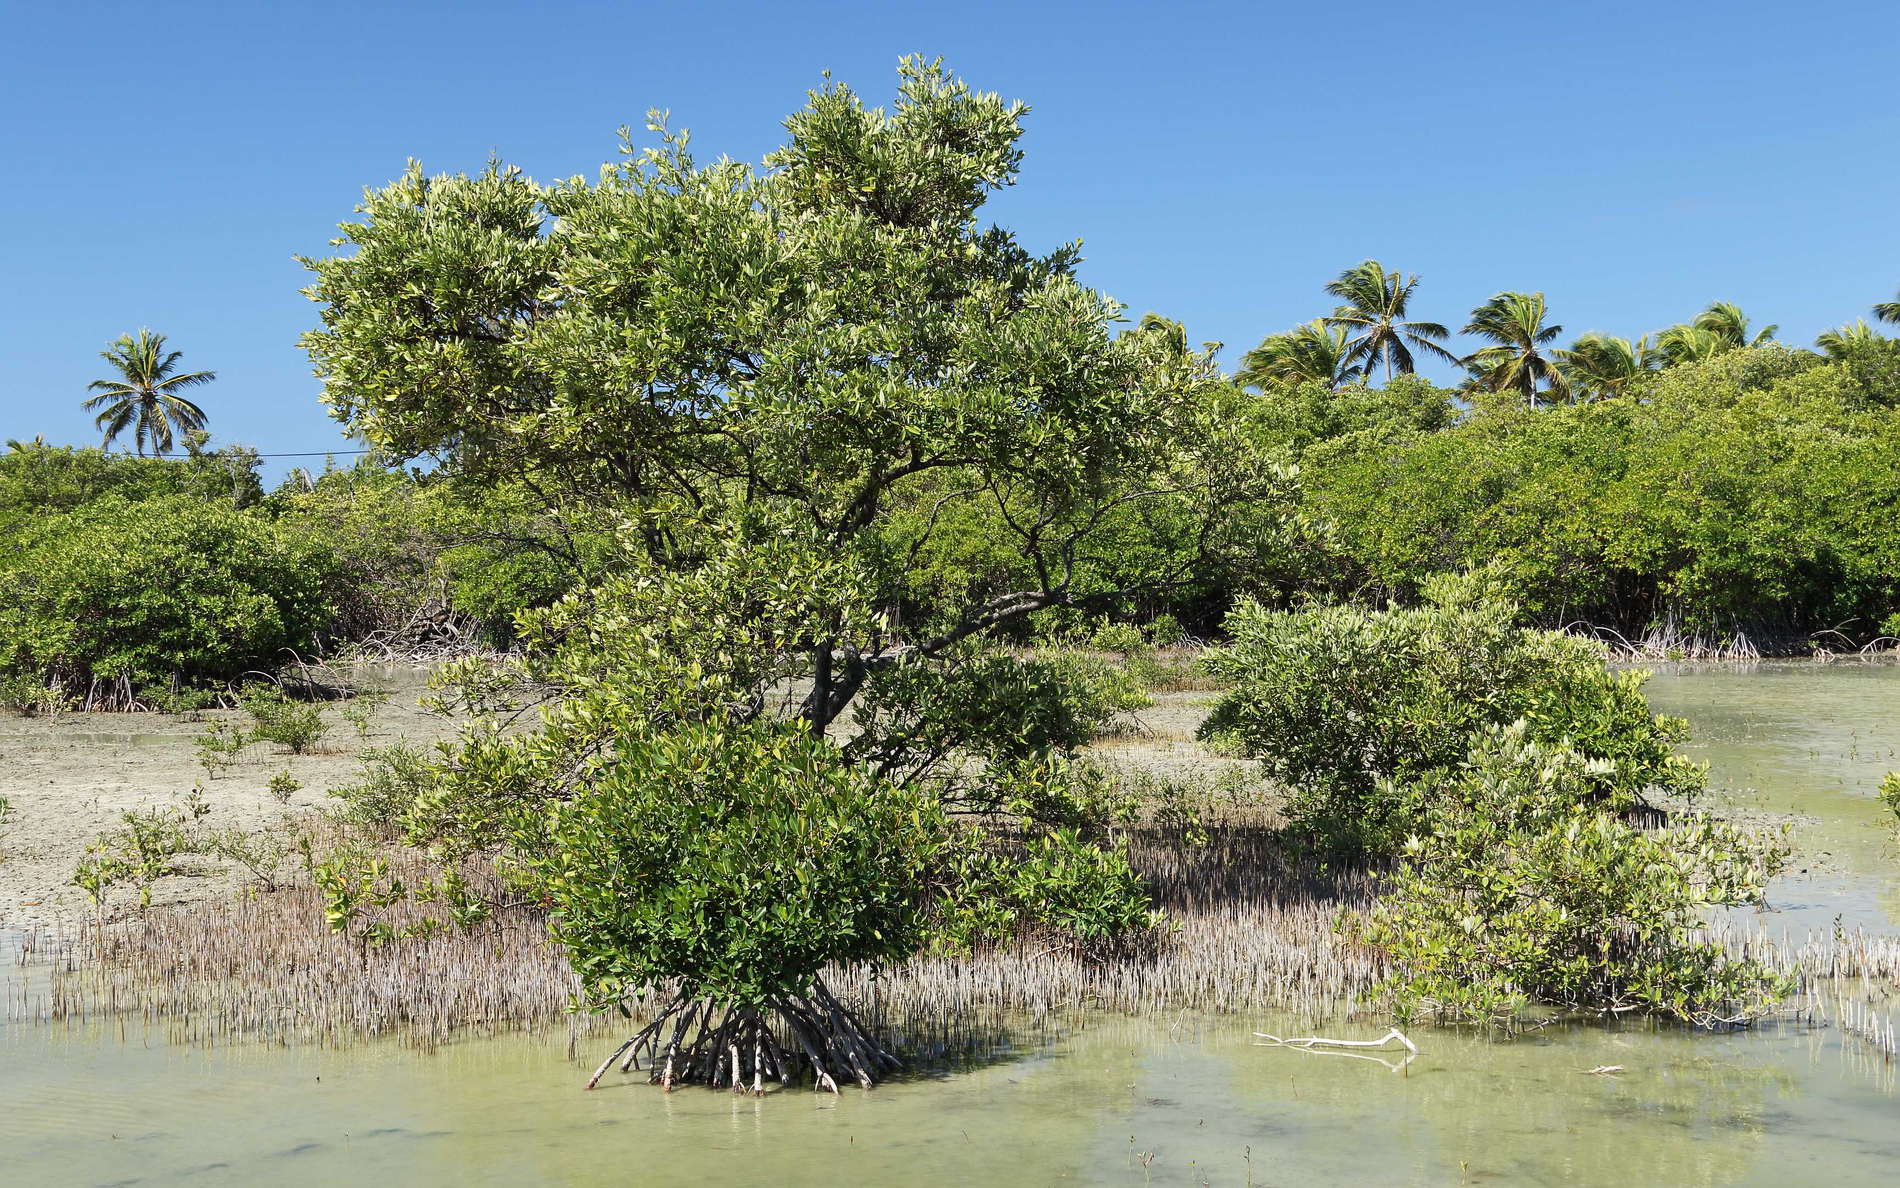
(312, 454)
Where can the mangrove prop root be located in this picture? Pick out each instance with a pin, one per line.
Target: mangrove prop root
(1310, 1041)
(741, 1048)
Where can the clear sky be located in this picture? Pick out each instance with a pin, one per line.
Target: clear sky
(164, 161)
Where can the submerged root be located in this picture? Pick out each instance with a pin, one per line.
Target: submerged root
(694, 1041)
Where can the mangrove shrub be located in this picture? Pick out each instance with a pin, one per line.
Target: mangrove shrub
(732, 864)
(1347, 708)
(1526, 892)
(119, 600)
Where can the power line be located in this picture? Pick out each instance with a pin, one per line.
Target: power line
(314, 454)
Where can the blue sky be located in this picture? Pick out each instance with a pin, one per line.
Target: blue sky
(1220, 161)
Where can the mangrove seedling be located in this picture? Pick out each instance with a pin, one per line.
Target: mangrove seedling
(219, 748)
(283, 786)
(722, 870)
(293, 725)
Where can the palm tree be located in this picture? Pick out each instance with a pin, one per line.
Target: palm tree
(1685, 343)
(144, 396)
(1514, 322)
(1717, 330)
(1726, 321)
(1888, 311)
(1601, 366)
(1373, 314)
(1310, 353)
(1843, 341)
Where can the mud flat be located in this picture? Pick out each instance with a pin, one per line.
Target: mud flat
(70, 777)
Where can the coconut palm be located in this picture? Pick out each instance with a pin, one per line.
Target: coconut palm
(1843, 341)
(1726, 321)
(1686, 343)
(1309, 353)
(1373, 316)
(1888, 311)
(1516, 362)
(144, 396)
(1601, 366)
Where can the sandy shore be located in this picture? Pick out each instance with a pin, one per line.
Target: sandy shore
(69, 778)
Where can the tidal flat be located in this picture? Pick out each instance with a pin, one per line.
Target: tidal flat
(1059, 1082)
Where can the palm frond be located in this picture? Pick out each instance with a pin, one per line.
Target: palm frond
(189, 380)
(1311, 353)
(1843, 341)
(113, 422)
(181, 411)
(1726, 321)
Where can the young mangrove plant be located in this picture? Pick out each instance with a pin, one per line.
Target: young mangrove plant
(1348, 708)
(140, 851)
(219, 747)
(1527, 892)
(731, 865)
(294, 725)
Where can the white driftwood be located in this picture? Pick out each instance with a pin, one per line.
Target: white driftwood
(1308, 1042)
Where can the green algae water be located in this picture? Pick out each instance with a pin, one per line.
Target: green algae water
(1184, 1100)
(1808, 742)
(1175, 1099)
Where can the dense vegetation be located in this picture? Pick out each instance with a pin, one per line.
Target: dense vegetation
(1741, 498)
(106, 603)
(1351, 711)
(140, 581)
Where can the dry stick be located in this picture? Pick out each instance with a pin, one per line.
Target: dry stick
(1309, 1040)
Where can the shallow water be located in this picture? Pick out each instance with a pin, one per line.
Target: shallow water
(1810, 740)
(1179, 1100)
(1189, 1100)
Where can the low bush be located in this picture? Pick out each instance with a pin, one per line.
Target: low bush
(283, 786)
(219, 747)
(385, 789)
(1002, 707)
(360, 712)
(140, 852)
(740, 862)
(294, 725)
(1527, 893)
(1343, 705)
